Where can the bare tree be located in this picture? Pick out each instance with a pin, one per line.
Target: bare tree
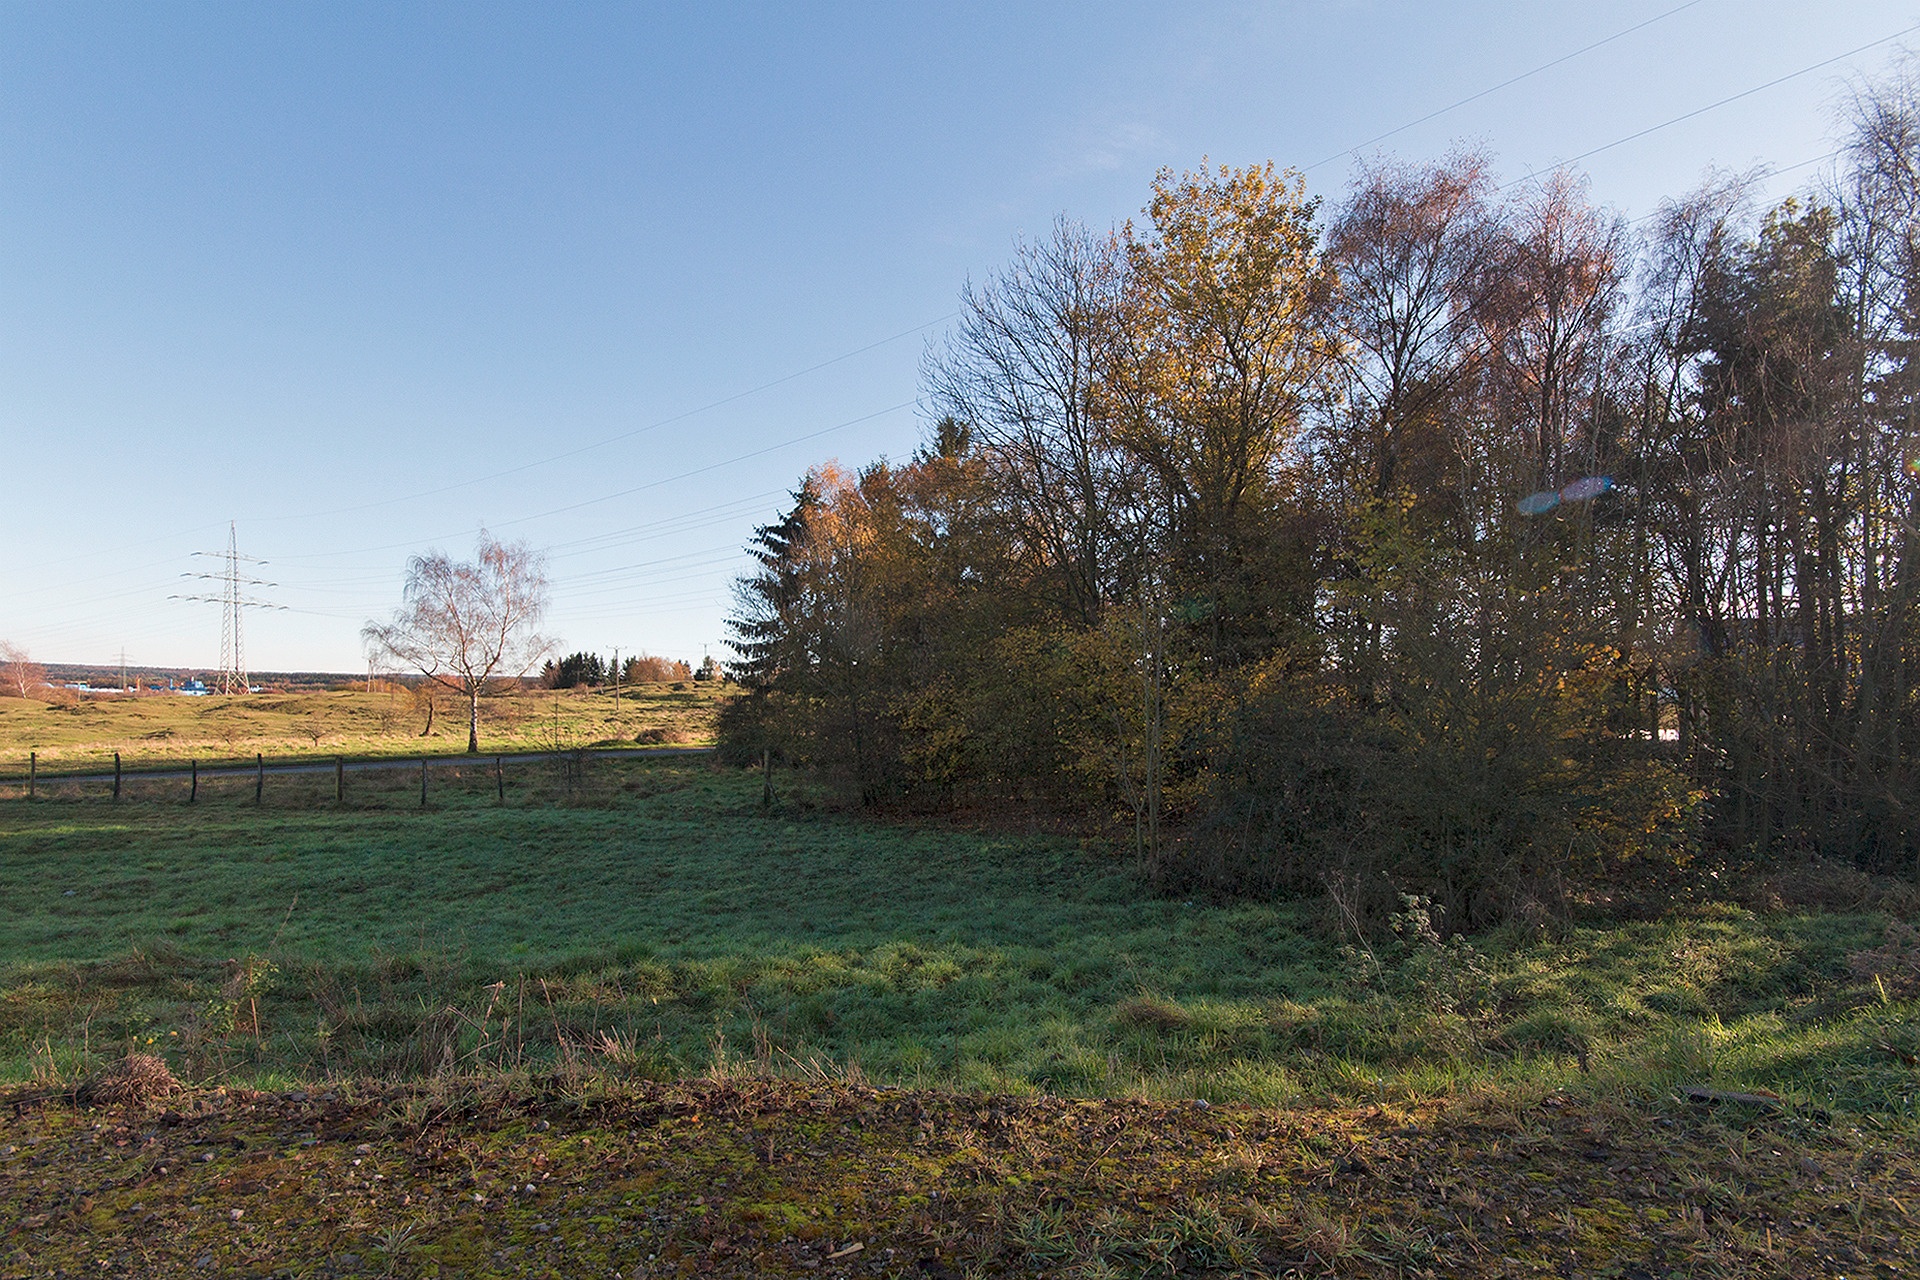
(19, 674)
(1021, 372)
(466, 624)
(1416, 249)
(1564, 280)
(1685, 533)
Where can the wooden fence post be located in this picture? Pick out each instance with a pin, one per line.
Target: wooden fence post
(259, 776)
(33, 772)
(116, 776)
(423, 782)
(499, 781)
(339, 779)
(193, 790)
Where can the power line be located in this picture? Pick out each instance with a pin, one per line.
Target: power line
(233, 657)
(1524, 75)
(1759, 175)
(614, 439)
(628, 435)
(642, 488)
(724, 462)
(1714, 106)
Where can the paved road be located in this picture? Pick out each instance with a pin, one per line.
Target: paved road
(356, 766)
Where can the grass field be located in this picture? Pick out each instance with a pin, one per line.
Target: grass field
(82, 732)
(628, 1022)
(649, 915)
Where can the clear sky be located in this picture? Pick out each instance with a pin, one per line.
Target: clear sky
(365, 278)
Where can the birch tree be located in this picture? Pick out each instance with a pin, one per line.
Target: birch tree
(465, 624)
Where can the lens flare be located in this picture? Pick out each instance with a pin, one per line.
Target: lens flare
(1586, 487)
(1538, 504)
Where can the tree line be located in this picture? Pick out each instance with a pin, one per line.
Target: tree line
(590, 670)
(1442, 537)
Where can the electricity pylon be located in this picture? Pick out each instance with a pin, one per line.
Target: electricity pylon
(233, 655)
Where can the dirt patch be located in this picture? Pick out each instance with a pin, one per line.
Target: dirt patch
(778, 1178)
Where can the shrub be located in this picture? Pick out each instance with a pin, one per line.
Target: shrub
(1490, 799)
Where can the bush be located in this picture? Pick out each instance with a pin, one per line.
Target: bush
(1490, 800)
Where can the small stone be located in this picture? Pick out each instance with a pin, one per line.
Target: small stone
(364, 1149)
(236, 1214)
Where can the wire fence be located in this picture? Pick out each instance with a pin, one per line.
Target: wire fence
(306, 781)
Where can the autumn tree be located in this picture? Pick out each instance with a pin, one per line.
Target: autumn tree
(647, 668)
(465, 624)
(1417, 250)
(1397, 555)
(1210, 385)
(1561, 281)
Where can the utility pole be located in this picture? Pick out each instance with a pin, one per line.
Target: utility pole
(616, 689)
(233, 658)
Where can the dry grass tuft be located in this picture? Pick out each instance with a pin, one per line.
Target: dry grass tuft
(1152, 1013)
(139, 1079)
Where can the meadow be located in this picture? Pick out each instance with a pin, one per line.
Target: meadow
(630, 1020)
(78, 731)
(648, 918)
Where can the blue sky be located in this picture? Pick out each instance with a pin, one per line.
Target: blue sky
(366, 278)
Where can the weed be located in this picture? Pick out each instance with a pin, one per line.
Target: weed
(393, 1244)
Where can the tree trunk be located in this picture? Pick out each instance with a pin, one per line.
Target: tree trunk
(473, 720)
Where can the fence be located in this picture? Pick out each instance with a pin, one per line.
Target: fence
(306, 779)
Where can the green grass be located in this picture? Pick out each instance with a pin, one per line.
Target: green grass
(83, 732)
(650, 918)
